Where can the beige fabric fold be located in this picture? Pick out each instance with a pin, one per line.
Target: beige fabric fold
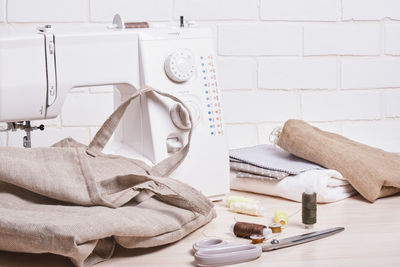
(74, 201)
(374, 173)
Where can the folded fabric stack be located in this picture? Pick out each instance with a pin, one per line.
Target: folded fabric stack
(373, 172)
(268, 170)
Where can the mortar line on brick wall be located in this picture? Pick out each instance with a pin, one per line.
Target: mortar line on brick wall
(296, 22)
(391, 119)
(259, 56)
(340, 10)
(369, 20)
(292, 21)
(89, 15)
(382, 35)
(243, 90)
(383, 104)
(309, 121)
(257, 73)
(339, 73)
(300, 104)
(61, 119)
(257, 129)
(297, 89)
(369, 89)
(217, 41)
(311, 90)
(345, 120)
(302, 42)
(173, 9)
(342, 55)
(332, 56)
(6, 14)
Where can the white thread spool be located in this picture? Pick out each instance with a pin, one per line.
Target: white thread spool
(247, 208)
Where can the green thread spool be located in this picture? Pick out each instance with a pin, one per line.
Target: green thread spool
(309, 208)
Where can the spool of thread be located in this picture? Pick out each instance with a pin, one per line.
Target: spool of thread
(275, 228)
(257, 239)
(134, 25)
(309, 208)
(254, 209)
(231, 199)
(281, 217)
(244, 229)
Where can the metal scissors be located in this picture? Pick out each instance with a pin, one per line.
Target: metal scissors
(215, 252)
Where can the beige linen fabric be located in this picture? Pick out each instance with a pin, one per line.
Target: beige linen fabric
(74, 201)
(374, 173)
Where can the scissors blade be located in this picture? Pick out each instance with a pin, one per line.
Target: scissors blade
(300, 239)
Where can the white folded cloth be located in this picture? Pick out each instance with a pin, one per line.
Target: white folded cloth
(329, 185)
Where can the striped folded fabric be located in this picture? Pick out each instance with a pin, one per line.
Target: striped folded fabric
(265, 169)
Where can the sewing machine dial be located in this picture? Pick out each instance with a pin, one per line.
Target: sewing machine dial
(179, 66)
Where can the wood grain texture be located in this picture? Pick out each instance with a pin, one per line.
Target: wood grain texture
(371, 238)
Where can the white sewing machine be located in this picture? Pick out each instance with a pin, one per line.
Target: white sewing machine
(38, 69)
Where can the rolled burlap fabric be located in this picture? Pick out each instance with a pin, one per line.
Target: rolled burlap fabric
(373, 172)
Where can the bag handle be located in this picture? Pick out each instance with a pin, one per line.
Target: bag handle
(164, 167)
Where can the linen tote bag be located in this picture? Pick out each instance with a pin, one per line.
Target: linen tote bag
(73, 200)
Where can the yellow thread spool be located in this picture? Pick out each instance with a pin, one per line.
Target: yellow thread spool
(275, 227)
(281, 217)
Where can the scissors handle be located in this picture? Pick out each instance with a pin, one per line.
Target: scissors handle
(210, 243)
(228, 254)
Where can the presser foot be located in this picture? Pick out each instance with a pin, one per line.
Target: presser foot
(27, 141)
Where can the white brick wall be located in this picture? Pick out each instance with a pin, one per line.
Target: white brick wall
(370, 73)
(307, 10)
(259, 106)
(2, 10)
(292, 73)
(370, 9)
(47, 10)
(342, 39)
(242, 135)
(236, 73)
(331, 106)
(392, 99)
(259, 39)
(131, 10)
(333, 63)
(216, 9)
(392, 39)
(381, 134)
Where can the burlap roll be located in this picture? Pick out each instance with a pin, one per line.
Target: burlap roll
(374, 173)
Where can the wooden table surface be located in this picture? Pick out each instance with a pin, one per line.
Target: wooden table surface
(371, 238)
